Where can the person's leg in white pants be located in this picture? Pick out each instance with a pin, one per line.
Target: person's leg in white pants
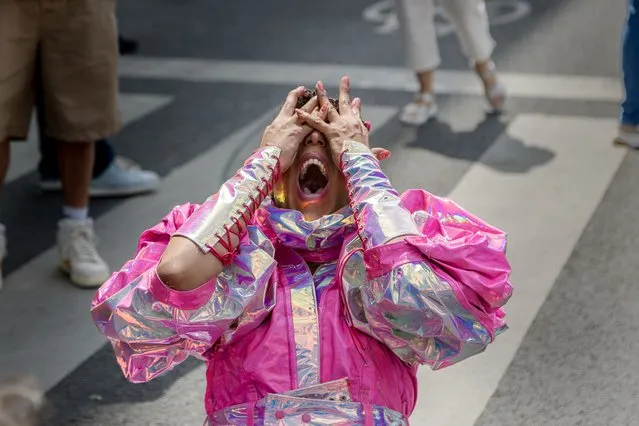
(473, 31)
(417, 18)
(471, 25)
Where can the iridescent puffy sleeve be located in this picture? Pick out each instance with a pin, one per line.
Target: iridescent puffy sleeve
(153, 328)
(425, 277)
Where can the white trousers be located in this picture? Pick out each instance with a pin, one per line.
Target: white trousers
(417, 19)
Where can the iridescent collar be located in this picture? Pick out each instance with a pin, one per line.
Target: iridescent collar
(316, 241)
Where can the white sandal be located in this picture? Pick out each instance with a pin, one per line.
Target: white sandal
(420, 110)
(496, 94)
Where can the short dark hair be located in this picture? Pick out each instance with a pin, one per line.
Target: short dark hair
(309, 94)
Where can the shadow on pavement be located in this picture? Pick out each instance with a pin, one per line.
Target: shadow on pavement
(99, 382)
(439, 137)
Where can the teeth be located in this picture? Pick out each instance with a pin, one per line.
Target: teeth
(307, 191)
(315, 161)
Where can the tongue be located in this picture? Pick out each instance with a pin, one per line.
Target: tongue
(313, 181)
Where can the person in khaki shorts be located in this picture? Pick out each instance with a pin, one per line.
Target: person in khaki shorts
(76, 41)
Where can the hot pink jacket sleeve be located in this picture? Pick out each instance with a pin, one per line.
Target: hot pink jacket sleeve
(153, 328)
(437, 276)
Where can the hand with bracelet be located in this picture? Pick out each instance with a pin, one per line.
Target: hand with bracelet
(308, 284)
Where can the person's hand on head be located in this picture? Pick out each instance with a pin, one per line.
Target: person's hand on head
(340, 126)
(287, 131)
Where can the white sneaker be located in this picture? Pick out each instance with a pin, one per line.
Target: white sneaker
(627, 137)
(122, 178)
(418, 112)
(3, 249)
(78, 255)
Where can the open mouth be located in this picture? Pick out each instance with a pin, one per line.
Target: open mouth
(313, 178)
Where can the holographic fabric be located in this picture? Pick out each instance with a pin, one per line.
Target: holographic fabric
(411, 300)
(379, 213)
(239, 196)
(427, 287)
(325, 404)
(306, 334)
(289, 228)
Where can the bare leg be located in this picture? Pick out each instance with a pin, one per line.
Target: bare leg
(484, 69)
(76, 169)
(426, 81)
(495, 92)
(76, 237)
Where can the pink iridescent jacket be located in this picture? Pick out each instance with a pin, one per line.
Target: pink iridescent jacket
(285, 346)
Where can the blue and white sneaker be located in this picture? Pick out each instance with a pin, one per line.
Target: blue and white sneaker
(121, 179)
(628, 136)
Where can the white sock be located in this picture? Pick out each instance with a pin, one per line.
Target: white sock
(81, 213)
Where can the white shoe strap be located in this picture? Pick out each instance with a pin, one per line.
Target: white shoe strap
(427, 98)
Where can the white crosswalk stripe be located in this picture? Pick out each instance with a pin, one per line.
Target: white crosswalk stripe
(525, 205)
(538, 86)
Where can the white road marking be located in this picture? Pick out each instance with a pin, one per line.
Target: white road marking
(536, 86)
(545, 212)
